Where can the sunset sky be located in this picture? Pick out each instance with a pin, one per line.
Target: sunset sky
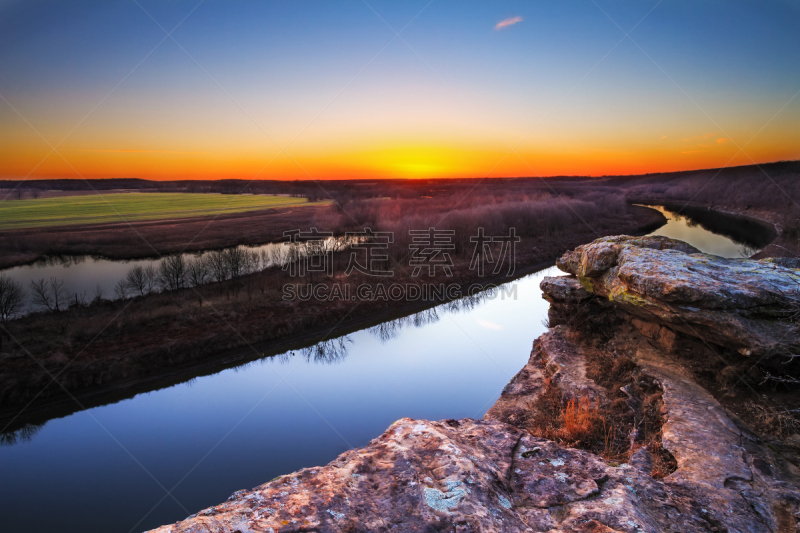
(319, 90)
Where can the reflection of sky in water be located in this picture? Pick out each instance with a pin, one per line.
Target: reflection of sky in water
(245, 426)
(84, 275)
(705, 241)
(452, 367)
(80, 275)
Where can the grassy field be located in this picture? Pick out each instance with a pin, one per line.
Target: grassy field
(132, 207)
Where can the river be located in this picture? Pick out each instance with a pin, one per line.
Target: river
(159, 456)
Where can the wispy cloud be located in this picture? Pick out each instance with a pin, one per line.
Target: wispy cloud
(507, 22)
(722, 140)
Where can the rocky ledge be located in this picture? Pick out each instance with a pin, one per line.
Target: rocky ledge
(626, 304)
(734, 303)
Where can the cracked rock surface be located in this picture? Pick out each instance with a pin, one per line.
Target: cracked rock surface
(492, 475)
(740, 304)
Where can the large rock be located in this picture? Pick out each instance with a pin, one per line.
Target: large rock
(741, 304)
(492, 475)
(487, 475)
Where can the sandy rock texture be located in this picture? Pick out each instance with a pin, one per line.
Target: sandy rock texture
(492, 475)
(742, 304)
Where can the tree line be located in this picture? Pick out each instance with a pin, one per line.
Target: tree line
(173, 272)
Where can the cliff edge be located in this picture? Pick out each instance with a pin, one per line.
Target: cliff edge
(606, 429)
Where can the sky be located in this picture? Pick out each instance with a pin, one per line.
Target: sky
(261, 89)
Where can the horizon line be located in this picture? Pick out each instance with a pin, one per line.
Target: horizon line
(556, 176)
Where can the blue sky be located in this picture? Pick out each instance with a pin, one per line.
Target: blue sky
(562, 86)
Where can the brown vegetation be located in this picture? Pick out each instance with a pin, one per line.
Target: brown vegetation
(205, 311)
(12, 297)
(109, 342)
(530, 205)
(767, 402)
(768, 192)
(629, 416)
(153, 239)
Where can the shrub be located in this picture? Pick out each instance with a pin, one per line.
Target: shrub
(582, 419)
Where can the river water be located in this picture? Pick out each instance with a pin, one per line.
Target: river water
(159, 456)
(86, 277)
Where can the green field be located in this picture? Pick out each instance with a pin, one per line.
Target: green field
(121, 207)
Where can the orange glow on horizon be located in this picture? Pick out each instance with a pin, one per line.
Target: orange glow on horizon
(417, 164)
(492, 92)
(385, 158)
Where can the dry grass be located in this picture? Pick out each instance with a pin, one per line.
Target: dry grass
(614, 428)
(779, 421)
(611, 446)
(587, 423)
(580, 418)
(663, 462)
(580, 423)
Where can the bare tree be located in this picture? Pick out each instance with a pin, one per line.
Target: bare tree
(329, 351)
(98, 293)
(235, 260)
(140, 280)
(59, 292)
(36, 193)
(12, 296)
(121, 290)
(275, 255)
(172, 272)
(252, 262)
(198, 273)
(217, 265)
(41, 294)
(150, 278)
(50, 295)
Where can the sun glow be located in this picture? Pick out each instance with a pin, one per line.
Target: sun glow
(414, 162)
(490, 93)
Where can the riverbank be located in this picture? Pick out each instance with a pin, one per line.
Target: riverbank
(773, 230)
(55, 407)
(131, 343)
(451, 361)
(606, 429)
(152, 239)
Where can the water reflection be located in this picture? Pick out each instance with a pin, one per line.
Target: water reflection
(714, 233)
(687, 227)
(23, 434)
(65, 261)
(389, 330)
(91, 278)
(85, 278)
(258, 427)
(335, 350)
(328, 351)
